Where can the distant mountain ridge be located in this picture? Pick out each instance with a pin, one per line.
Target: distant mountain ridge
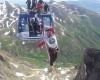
(93, 5)
(76, 28)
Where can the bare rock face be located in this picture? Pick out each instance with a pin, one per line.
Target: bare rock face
(90, 69)
(2, 58)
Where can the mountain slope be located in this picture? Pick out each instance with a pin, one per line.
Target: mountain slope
(9, 14)
(93, 5)
(76, 29)
(14, 68)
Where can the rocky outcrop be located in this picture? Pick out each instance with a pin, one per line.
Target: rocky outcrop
(15, 68)
(2, 58)
(90, 70)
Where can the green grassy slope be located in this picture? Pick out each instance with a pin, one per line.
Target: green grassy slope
(81, 30)
(82, 34)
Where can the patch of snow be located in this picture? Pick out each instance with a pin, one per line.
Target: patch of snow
(23, 43)
(66, 79)
(12, 14)
(85, 69)
(63, 72)
(0, 45)
(71, 20)
(64, 21)
(3, 9)
(14, 31)
(63, 34)
(45, 70)
(43, 77)
(5, 16)
(7, 33)
(18, 74)
(10, 19)
(59, 68)
(7, 24)
(15, 65)
(68, 70)
(68, 76)
(12, 23)
(61, 20)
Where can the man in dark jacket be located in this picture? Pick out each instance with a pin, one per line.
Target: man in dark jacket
(34, 2)
(40, 6)
(28, 2)
(35, 26)
(46, 7)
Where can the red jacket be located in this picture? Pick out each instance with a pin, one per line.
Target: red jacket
(41, 44)
(52, 30)
(40, 5)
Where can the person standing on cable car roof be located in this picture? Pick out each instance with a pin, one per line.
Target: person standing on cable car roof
(46, 8)
(34, 2)
(40, 6)
(28, 2)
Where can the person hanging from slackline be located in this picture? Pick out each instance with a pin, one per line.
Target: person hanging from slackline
(52, 46)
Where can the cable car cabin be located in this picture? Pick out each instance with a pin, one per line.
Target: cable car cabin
(47, 21)
(31, 27)
(28, 27)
